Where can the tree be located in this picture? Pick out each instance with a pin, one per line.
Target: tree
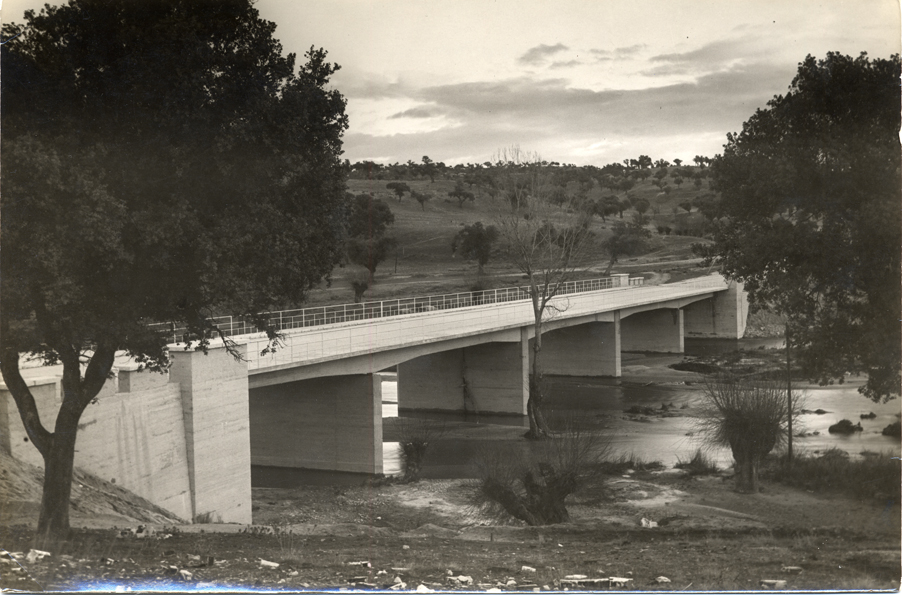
(686, 205)
(369, 217)
(662, 163)
(163, 161)
(545, 253)
(360, 280)
(644, 161)
(475, 242)
(810, 205)
(678, 162)
(421, 197)
(748, 415)
(429, 168)
(399, 188)
(626, 239)
(461, 195)
(368, 252)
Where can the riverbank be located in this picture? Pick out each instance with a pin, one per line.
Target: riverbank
(641, 524)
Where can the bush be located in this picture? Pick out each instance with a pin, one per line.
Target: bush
(415, 437)
(630, 461)
(844, 426)
(532, 484)
(869, 477)
(893, 430)
(699, 464)
(748, 415)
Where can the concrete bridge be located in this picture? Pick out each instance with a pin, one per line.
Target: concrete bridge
(187, 442)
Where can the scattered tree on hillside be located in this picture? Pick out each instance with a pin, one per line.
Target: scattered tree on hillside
(368, 252)
(627, 239)
(399, 188)
(144, 180)
(360, 280)
(421, 197)
(678, 162)
(369, 217)
(429, 169)
(544, 252)
(474, 242)
(662, 163)
(461, 195)
(811, 217)
(686, 205)
(678, 180)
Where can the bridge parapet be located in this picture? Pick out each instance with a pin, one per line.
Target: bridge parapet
(359, 337)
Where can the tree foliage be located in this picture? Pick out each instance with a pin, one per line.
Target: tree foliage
(811, 216)
(474, 242)
(626, 239)
(369, 216)
(163, 161)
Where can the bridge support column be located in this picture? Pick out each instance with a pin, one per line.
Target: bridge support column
(723, 316)
(653, 330)
(215, 410)
(590, 349)
(486, 378)
(332, 423)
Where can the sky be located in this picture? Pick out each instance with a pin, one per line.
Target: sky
(574, 81)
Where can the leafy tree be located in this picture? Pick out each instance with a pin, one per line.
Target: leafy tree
(662, 163)
(641, 205)
(698, 183)
(606, 207)
(360, 281)
(644, 161)
(461, 195)
(429, 168)
(811, 217)
(686, 205)
(678, 162)
(163, 161)
(626, 239)
(368, 252)
(678, 180)
(369, 217)
(399, 188)
(421, 197)
(475, 242)
(545, 255)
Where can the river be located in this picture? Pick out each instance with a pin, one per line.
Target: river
(647, 382)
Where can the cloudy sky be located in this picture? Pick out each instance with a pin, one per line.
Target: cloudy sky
(577, 81)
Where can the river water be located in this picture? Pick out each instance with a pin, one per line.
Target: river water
(600, 403)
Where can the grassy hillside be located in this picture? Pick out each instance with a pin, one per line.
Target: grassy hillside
(423, 263)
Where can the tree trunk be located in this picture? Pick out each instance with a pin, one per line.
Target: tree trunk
(746, 470)
(53, 523)
(538, 427)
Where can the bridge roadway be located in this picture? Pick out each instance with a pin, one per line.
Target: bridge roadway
(366, 346)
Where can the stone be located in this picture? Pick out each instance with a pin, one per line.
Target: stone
(268, 564)
(662, 579)
(527, 569)
(792, 569)
(772, 584)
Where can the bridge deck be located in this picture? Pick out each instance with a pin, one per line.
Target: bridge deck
(330, 342)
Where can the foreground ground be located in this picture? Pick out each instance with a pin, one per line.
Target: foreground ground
(708, 537)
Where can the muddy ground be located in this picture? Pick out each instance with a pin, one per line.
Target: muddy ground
(428, 533)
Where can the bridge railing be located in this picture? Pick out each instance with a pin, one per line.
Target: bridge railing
(320, 315)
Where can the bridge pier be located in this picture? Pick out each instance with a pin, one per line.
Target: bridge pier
(653, 330)
(332, 423)
(722, 316)
(485, 378)
(589, 349)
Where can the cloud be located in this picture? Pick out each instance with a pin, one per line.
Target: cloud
(417, 112)
(630, 50)
(567, 64)
(578, 125)
(538, 54)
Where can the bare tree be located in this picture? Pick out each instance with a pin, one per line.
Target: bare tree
(544, 242)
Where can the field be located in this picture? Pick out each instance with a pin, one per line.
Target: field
(423, 263)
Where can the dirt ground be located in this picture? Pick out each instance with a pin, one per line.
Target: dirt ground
(708, 537)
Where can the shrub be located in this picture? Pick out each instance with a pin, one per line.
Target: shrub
(844, 426)
(699, 464)
(630, 461)
(748, 415)
(893, 430)
(415, 436)
(532, 484)
(868, 477)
